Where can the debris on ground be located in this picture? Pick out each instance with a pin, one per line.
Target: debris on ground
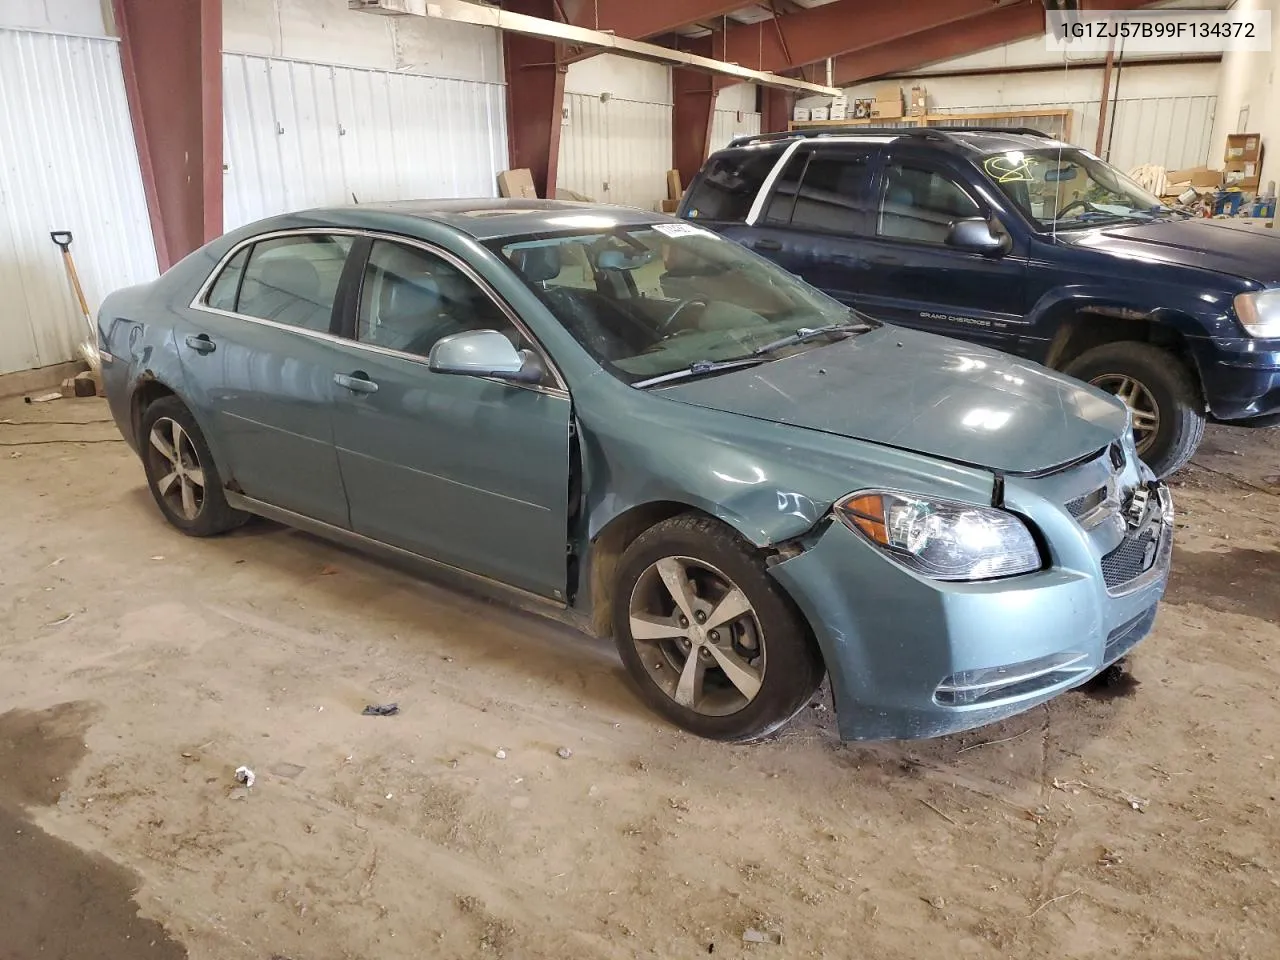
(938, 903)
(245, 775)
(501, 754)
(751, 935)
(45, 397)
(381, 710)
(1109, 858)
(564, 753)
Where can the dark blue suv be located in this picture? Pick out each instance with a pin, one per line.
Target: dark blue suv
(1016, 241)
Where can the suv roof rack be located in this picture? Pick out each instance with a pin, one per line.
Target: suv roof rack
(947, 133)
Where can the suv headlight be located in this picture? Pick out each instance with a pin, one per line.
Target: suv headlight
(1259, 312)
(941, 539)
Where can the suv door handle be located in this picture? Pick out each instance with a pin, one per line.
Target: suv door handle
(887, 261)
(767, 244)
(200, 343)
(357, 382)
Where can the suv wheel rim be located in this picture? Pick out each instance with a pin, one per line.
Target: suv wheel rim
(697, 635)
(1142, 405)
(176, 467)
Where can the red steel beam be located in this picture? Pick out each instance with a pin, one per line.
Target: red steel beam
(777, 109)
(637, 19)
(535, 71)
(781, 43)
(990, 29)
(171, 53)
(694, 99)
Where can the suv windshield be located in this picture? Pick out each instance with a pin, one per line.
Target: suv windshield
(1067, 187)
(652, 300)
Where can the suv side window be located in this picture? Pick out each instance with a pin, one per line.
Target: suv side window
(293, 280)
(921, 205)
(833, 195)
(729, 184)
(785, 189)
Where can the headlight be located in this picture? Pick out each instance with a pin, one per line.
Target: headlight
(1259, 312)
(942, 539)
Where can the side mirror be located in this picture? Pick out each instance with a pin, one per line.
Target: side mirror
(483, 353)
(974, 234)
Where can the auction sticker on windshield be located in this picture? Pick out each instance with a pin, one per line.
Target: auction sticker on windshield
(674, 230)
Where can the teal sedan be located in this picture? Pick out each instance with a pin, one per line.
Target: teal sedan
(661, 438)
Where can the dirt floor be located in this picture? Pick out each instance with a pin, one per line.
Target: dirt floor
(139, 668)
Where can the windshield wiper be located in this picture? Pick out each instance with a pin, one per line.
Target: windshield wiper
(805, 334)
(700, 368)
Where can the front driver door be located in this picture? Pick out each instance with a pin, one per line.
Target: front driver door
(467, 471)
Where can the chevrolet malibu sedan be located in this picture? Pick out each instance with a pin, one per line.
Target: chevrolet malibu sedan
(665, 440)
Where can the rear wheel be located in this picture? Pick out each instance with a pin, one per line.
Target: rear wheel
(181, 473)
(1168, 415)
(709, 639)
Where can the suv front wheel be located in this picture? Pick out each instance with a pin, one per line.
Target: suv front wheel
(1168, 416)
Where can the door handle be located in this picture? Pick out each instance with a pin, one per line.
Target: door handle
(357, 382)
(766, 244)
(200, 343)
(886, 261)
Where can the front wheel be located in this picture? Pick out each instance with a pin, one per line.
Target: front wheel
(1168, 415)
(709, 639)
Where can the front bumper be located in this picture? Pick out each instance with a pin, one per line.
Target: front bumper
(911, 657)
(1241, 378)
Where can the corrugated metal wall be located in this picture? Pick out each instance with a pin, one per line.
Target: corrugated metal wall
(1174, 132)
(302, 134)
(728, 124)
(67, 162)
(615, 150)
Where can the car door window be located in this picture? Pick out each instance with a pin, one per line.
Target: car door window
(410, 298)
(225, 290)
(921, 204)
(293, 280)
(783, 201)
(727, 188)
(833, 194)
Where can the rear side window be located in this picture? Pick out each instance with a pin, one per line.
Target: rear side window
(293, 280)
(921, 204)
(729, 184)
(783, 201)
(833, 195)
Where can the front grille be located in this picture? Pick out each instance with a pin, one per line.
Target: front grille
(1083, 506)
(1129, 560)
(1123, 638)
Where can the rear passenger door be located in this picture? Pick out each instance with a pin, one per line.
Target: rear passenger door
(916, 278)
(815, 220)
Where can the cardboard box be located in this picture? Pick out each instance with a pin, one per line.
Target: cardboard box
(820, 113)
(918, 101)
(887, 109)
(840, 108)
(1194, 177)
(800, 114)
(670, 206)
(675, 190)
(517, 183)
(1244, 146)
(889, 91)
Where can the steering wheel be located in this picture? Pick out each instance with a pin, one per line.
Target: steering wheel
(1071, 205)
(680, 307)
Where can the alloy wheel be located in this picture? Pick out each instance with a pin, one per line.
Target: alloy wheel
(697, 636)
(1142, 405)
(176, 467)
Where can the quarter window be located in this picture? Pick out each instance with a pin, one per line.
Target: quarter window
(833, 194)
(291, 280)
(225, 290)
(922, 205)
(730, 183)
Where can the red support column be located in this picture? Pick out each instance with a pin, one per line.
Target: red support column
(694, 99)
(775, 110)
(535, 98)
(171, 51)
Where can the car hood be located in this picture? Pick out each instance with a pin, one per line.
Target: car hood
(928, 394)
(1218, 245)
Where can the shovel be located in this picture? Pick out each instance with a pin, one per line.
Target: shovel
(89, 348)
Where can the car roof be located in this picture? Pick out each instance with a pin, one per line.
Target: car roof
(487, 218)
(964, 141)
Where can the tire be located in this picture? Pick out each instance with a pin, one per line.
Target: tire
(768, 648)
(191, 498)
(1168, 384)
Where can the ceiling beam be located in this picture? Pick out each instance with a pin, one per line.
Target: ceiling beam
(643, 18)
(835, 28)
(981, 32)
(508, 21)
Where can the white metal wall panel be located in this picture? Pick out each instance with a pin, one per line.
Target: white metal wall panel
(301, 134)
(727, 124)
(67, 162)
(616, 150)
(1174, 132)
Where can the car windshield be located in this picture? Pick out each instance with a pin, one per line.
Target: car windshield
(1066, 187)
(649, 301)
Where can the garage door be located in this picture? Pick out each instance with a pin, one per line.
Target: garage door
(67, 162)
(303, 134)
